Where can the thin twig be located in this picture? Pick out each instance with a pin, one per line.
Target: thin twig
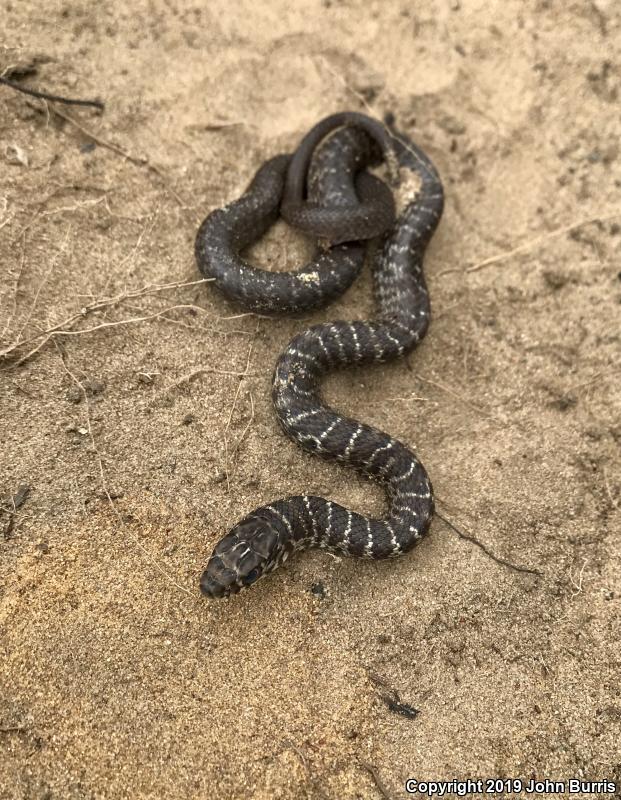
(593, 380)
(529, 245)
(378, 781)
(139, 161)
(180, 324)
(55, 98)
(200, 371)
(578, 586)
(248, 424)
(458, 396)
(13, 728)
(291, 746)
(130, 320)
(232, 409)
(76, 207)
(98, 305)
(469, 538)
(6, 217)
(46, 277)
(116, 323)
(102, 326)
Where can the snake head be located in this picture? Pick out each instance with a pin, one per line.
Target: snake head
(248, 552)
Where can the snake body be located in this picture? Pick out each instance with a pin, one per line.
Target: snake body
(369, 214)
(265, 538)
(336, 182)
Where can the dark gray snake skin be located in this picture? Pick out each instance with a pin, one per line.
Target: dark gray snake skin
(266, 537)
(369, 214)
(336, 181)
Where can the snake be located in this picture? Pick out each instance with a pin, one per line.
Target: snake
(341, 197)
(264, 539)
(370, 214)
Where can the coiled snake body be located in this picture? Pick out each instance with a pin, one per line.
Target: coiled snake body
(264, 538)
(336, 181)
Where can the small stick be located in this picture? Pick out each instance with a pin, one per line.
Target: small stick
(97, 305)
(99, 327)
(201, 371)
(578, 586)
(249, 423)
(375, 775)
(228, 422)
(139, 161)
(299, 753)
(54, 98)
(488, 262)
(457, 396)
(591, 382)
(488, 552)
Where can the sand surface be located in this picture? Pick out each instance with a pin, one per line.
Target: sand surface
(141, 441)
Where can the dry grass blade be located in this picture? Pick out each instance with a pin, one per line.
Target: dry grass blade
(63, 328)
(530, 244)
(469, 538)
(54, 98)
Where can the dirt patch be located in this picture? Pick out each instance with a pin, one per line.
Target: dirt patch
(145, 430)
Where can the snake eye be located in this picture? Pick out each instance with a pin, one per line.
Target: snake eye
(250, 577)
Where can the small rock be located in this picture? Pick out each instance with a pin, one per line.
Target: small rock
(564, 402)
(452, 125)
(554, 279)
(111, 494)
(93, 387)
(403, 709)
(73, 394)
(16, 155)
(20, 496)
(319, 590)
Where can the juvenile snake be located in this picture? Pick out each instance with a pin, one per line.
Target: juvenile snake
(265, 538)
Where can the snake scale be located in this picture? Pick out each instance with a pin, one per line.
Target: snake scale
(264, 539)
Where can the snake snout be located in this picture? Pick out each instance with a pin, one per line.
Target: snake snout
(242, 557)
(217, 581)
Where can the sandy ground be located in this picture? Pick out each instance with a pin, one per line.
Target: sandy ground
(117, 680)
